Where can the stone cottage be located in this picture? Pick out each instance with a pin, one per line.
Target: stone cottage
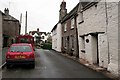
(98, 29)
(11, 28)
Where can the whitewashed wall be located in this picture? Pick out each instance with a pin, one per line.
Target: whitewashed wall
(56, 38)
(95, 21)
(103, 50)
(54, 42)
(113, 36)
(59, 36)
(45, 37)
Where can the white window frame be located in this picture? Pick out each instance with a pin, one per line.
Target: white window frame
(72, 23)
(65, 27)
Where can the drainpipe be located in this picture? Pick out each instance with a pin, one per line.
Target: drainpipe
(107, 30)
(76, 35)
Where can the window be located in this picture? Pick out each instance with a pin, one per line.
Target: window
(65, 41)
(65, 27)
(21, 48)
(24, 40)
(72, 23)
(82, 44)
(42, 37)
(72, 40)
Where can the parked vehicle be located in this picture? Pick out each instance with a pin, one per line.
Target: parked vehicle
(20, 53)
(25, 39)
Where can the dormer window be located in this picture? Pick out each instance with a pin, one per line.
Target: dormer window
(72, 23)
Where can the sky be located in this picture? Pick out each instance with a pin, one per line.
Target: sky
(42, 14)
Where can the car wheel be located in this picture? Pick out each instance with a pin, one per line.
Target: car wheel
(32, 65)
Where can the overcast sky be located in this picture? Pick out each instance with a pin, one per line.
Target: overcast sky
(42, 14)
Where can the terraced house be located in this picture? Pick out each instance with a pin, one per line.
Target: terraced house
(65, 37)
(98, 34)
(57, 29)
(69, 32)
(90, 31)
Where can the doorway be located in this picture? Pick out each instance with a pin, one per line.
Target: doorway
(95, 50)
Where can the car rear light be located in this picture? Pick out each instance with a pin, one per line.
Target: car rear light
(8, 56)
(32, 55)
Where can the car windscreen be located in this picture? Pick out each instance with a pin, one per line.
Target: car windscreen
(20, 48)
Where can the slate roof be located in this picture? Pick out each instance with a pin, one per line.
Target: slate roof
(54, 27)
(71, 13)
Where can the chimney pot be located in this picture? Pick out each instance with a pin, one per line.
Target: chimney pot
(37, 29)
(6, 11)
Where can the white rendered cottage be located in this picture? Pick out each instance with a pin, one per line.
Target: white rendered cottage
(56, 37)
(98, 29)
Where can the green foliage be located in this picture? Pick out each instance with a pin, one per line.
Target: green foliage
(46, 46)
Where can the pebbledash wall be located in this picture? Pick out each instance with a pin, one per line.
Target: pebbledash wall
(98, 35)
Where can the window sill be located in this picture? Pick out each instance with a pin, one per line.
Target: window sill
(72, 49)
(72, 28)
(83, 50)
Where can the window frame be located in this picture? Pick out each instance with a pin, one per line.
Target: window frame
(65, 27)
(72, 23)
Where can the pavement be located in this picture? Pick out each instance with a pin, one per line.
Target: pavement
(4, 50)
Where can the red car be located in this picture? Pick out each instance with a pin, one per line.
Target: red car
(20, 53)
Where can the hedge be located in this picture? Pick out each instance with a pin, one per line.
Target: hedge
(46, 46)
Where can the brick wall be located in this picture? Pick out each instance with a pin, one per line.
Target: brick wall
(68, 34)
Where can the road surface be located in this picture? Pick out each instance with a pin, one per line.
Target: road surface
(50, 64)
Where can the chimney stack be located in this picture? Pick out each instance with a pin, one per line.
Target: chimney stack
(63, 10)
(37, 29)
(6, 11)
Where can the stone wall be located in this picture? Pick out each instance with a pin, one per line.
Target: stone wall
(93, 18)
(101, 18)
(0, 38)
(103, 50)
(112, 31)
(11, 28)
(119, 39)
(94, 21)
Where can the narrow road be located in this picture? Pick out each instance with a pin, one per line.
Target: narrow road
(50, 64)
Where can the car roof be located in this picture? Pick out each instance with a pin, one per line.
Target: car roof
(20, 44)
